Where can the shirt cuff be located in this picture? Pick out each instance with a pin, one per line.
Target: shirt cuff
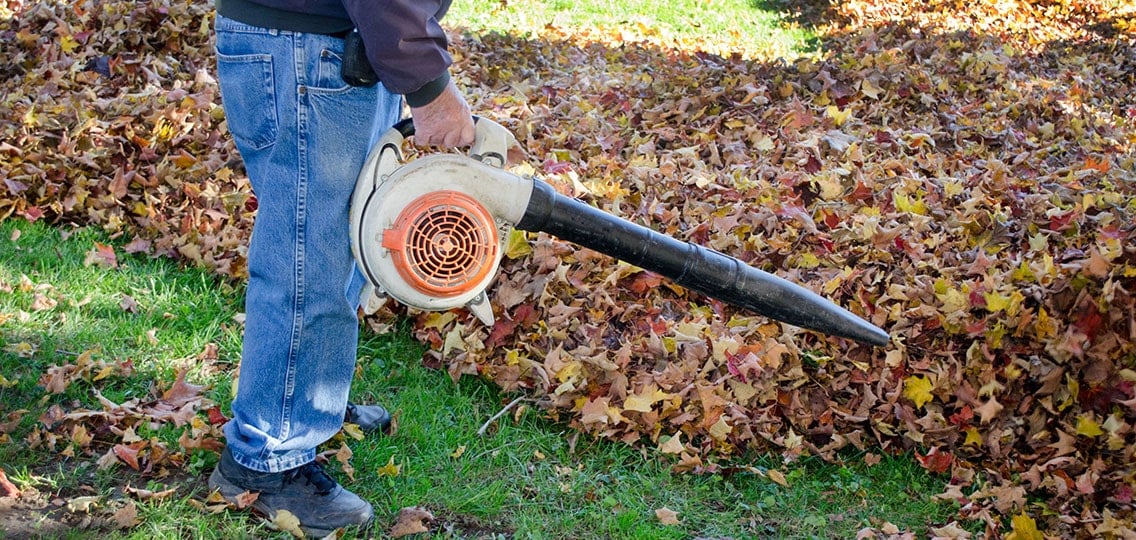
(429, 91)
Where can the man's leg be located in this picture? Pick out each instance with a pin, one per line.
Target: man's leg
(303, 135)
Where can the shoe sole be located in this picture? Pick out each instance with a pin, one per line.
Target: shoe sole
(230, 491)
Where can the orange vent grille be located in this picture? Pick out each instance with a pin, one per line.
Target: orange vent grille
(443, 243)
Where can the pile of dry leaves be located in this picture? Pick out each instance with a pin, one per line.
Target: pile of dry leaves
(962, 175)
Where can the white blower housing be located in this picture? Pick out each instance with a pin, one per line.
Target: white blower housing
(430, 233)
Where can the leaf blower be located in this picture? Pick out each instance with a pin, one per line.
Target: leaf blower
(430, 233)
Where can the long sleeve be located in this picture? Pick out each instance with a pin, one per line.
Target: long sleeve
(405, 43)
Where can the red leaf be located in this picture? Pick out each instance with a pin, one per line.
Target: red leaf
(645, 281)
(963, 417)
(936, 461)
(502, 329)
(556, 167)
(32, 214)
(129, 454)
(216, 417)
(102, 255)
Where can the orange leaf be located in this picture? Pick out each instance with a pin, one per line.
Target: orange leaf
(7, 488)
(128, 454)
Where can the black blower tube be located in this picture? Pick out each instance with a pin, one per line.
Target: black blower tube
(692, 266)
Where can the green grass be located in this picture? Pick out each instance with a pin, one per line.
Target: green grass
(743, 26)
(526, 477)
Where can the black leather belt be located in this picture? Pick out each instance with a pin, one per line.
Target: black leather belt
(340, 34)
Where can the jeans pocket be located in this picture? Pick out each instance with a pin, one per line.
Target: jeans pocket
(329, 72)
(248, 93)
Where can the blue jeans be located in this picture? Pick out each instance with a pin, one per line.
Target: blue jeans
(303, 135)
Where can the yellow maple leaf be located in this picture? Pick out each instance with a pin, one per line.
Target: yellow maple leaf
(390, 469)
(838, 116)
(643, 402)
(353, 431)
(68, 44)
(439, 319)
(517, 244)
(1088, 427)
(1024, 528)
(869, 89)
(903, 203)
(918, 388)
(973, 437)
(996, 302)
(454, 341)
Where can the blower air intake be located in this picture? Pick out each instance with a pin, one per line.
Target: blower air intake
(429, 234)
(443, 243)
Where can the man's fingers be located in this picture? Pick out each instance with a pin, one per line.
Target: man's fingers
(445, 121)
(468, 134)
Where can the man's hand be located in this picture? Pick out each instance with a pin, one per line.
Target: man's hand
(446, 121)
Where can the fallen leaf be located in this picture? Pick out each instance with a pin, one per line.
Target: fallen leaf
(1088, 427)
(287, 522)
(7, 488)
(950, 531)
(1023, 527)
(411, 520)
(83, 504)
(390, 469)
(917, 388)
(777, 477)
(101, 255)
(666, 516)
(146, 494)
(353, 431)
(245, 499)
(128, 454)
(127, 516)
(673, 445)
(936, 460)
(987, 411)
(182, 392)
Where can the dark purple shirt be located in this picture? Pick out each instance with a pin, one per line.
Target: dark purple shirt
(405, 42)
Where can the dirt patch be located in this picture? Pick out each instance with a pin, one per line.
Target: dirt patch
(466, 526)
(33, 515)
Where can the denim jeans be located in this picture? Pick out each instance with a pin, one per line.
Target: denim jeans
(303, 135)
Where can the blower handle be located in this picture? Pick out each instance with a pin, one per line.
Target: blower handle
(491, 141)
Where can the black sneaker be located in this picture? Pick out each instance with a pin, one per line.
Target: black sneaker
(318, 501)
(369, 418)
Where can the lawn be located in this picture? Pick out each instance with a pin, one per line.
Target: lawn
(75, 298)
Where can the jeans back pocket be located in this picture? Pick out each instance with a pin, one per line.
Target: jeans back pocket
(249, 97)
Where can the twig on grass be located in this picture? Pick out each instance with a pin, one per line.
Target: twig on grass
(500, 413)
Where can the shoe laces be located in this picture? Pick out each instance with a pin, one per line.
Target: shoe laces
(314, 474)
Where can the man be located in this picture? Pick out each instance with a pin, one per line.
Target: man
(303, 134)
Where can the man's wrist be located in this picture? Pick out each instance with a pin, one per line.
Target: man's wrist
(429, 92)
